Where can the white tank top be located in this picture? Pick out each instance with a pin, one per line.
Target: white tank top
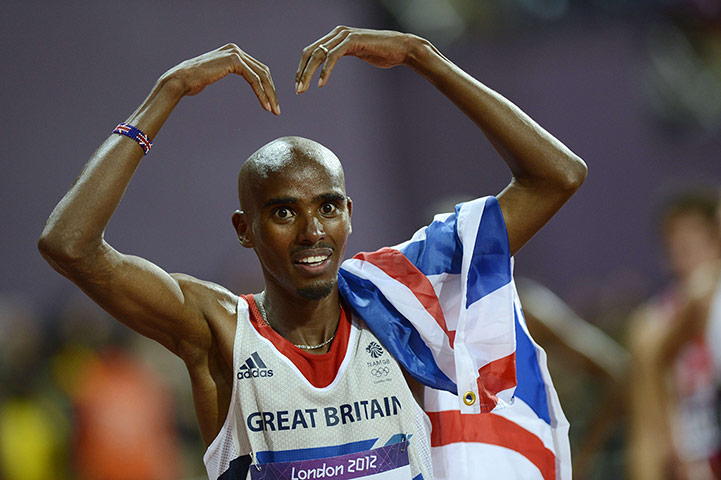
(365, 424)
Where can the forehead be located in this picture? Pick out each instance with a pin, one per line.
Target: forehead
(289, 167)
(301, 181)
(688, 220)
(687, 229)
(297, 182)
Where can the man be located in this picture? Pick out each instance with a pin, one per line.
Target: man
(678, 435)
(296, 216)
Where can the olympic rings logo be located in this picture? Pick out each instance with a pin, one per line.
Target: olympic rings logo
(380, 372)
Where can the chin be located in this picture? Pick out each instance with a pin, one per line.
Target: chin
(317, 291)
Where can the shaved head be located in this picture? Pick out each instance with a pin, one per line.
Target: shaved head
(295, 214)
(285, 155)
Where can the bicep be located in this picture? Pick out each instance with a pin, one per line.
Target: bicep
(145, 298)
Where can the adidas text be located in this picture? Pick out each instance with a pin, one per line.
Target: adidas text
(254, 373)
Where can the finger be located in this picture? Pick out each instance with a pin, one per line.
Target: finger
(308, 52)
(240, 67)
(332, 58)
(309, 60)
(317, 57)
(266, 80)
(253, 79)
(304, 56)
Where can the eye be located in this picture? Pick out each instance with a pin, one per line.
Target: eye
(282, 213)
(328, 209)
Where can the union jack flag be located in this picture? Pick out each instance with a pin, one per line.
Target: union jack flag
(136, 134)
(445, 305)
(123, 128)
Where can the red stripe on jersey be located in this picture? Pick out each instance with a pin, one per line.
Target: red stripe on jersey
(397, 266)
(452, 427)
(319, 370)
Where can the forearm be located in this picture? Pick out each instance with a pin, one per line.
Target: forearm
(76, 225)
(75, 228)
(532, 154)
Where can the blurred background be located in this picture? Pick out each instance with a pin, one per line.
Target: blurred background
(632, 86)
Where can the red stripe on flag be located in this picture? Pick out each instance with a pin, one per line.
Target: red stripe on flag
(495, 377)
(397, 266)
(452, 427)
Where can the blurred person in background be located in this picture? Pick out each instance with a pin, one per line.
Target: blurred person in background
(124, 427)
(77, 402)
(674, 427)
(34, 430)
(123, 424)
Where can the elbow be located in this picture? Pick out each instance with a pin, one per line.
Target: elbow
(61, 251)
(48, 248)
(55, 251)
(572, 175)
(581, 172)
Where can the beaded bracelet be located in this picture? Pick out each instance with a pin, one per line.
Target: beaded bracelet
(136, 134)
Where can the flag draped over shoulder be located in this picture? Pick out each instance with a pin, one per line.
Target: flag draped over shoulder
(445, 305)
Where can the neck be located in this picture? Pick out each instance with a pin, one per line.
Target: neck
(301, 321)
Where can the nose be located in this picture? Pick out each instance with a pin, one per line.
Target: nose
(312, 230)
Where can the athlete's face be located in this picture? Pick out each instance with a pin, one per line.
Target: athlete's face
(298, 224)
(691, 240)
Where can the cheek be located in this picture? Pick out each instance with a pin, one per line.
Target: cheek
(274, 241)
(339, 227)
(340, 236)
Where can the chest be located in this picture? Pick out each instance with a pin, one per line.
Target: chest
(368, 394)
(280, 418)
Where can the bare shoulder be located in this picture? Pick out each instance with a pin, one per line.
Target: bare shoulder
(218, 306)
(205, 293)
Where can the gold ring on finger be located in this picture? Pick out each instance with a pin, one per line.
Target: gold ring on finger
(323, 49)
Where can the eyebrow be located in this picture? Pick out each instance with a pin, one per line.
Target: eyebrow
(280, 201)
(331, 197)
(328, 197)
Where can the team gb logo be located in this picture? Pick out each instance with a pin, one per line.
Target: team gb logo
(374, 349)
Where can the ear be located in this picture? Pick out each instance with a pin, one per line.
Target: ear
(242, 229)
(349, 205)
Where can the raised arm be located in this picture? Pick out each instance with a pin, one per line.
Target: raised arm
(545, 172)
(133, 290)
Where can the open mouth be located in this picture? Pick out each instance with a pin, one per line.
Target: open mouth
(313, 261)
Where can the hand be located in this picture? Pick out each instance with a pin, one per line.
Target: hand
(380, 48)
(197, 73)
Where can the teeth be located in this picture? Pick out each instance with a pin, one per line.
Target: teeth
(316, 259)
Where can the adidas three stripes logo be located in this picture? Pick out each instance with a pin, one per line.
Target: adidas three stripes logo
(254, 367)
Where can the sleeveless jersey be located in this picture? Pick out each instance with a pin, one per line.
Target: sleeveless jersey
(365, 424)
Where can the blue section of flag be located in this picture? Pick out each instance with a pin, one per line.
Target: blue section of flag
(489, 268)
(315, 453)
(440, 252)
(530, 388)
(397, 334)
